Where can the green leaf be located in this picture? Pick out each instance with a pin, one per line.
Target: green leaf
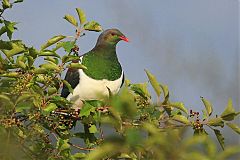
(127, 82)
(234, 127)
(207, 105)
(62, 144)
(93, 26)
(68, 46)
(123, 104)
(154, 83)
(210, 147)
(95, 103)
(79, 155)
(93, 129)
(21, 58)
(133, 137)
(3, 30)
(24, 106)
(17, 48)
(197, 139)
(165, 91)
(76, 66)
(6, 99)
(23, 97)
(86, 110)
(60, 101)
(141, 89)
(220, 137)
(68, 58)
(52, 90)
(205, 115)
(81, 16)
(40, 71)
(40, 79)
(51, 59)
(228, 153)
(48, 53)
(216, 122)
(18, 1)
(70, 89)
(181, 119)
(33, 52)
(229, 112)
(179, 105)
(71, 20)
(104, 151)
(131, 156)
(50, 66)
(10, 74)
(10, 27)
(52, 41)
(58, 46)
(21, 62)
(5, 45)
(30, 61)
(6, 4)
(49, 108)
(36, 88)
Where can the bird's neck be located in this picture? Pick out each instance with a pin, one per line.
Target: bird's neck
(106, 50)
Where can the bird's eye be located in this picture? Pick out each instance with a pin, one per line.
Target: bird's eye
(112, 34)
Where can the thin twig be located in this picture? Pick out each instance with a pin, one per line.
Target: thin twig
(2, 13)
(132, 124)
(101, 131)
(54, 135)
(173, 127)
(81, 148)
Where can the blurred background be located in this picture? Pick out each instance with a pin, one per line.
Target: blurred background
(191, 46)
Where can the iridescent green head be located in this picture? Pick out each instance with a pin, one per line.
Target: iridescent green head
(111, 37)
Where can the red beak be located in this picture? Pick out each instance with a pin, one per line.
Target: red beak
(124, 38)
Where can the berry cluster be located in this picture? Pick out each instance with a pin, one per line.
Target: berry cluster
(62, 119)
(141, 102)
(75, 49)
(13, 120)
(21, 83)
(197, 125)
(9, 122)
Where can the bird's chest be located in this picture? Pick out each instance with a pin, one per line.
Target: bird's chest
(89, 88)
(100, 68)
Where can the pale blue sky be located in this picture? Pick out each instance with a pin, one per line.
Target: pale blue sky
(190, 45)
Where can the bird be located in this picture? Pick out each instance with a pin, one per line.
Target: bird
(104, 73)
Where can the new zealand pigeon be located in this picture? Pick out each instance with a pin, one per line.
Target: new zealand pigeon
(103, 73)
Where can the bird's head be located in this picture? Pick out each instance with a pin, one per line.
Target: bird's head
(111, 37)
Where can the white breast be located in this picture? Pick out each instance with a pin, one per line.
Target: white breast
(91, 89)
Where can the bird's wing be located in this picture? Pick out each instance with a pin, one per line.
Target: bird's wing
(72, 77)
(123, 79)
